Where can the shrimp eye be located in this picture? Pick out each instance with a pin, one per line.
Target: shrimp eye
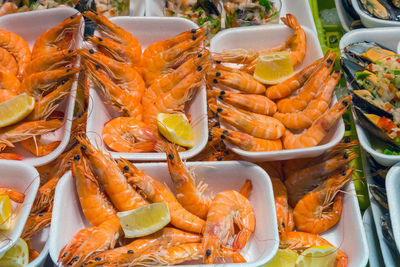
(73, 16)
(209, 138)
(68, 70)
(130, 251)
(221, 97)
(227, 152)
(345, 156)
(347, 139)
(100, 40)
(91, 51)
(215, 81)
(283, 224)
(219, 109)
(208, 252)
(97, 67)
(216, 115)
(97, 259)
(126, 168)
(77, 157)
(345, 103)
(71, 50)
(41, 214)
(65, 254)
(170, 156)
(222, 93)
(63, 81)
(225, 132)
(222, 136)
(83, 147)
(200, 55)
(344, 173)
(75, 259)
(199, 68)
(329, 61)
(218, 74)
(48, 118)
(194, 37)
(218, 61)
(193, 31)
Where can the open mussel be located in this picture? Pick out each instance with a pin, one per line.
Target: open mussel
(387, 232)
(368, 52)
(369, 122)
(379, 194)
(350, 10)
(382, 9)
(378, 172)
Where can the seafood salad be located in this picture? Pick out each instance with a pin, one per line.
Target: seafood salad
(374, 74)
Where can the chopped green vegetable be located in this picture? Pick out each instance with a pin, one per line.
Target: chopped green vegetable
(378, 62)
(396, 72)
(397, 140)
(266, 4)
(396, 81)
(362, 75)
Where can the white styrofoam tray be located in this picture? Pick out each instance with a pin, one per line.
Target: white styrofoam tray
(393, 196)
(30, 25)
(377, 211)
(147, 31)
(388, 37)
(257, 38)
(137, 7)
(25, 179)
(40, 242)
(370, 21)
(299, 8)
(375, 255)
(344, 17)
(261, 247)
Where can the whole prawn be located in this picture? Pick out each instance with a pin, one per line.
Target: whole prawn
(284, 213)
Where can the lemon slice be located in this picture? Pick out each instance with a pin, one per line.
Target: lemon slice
(16, 109)
(319, 256)
(17, 255)
(176, 128)
(144, 220)
(283, 258)
(5, 212)
(273, 68)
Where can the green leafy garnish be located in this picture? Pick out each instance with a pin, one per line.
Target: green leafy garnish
(378, 62)
(396, 72)
(362, 75)
(266, 4)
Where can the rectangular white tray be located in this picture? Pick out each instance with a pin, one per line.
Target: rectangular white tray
(388, 37)
(261, 247)
(392, 190)
(25, 179)
(30, 25)
(257, 38)
(147, 31)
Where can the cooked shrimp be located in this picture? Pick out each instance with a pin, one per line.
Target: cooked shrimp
(305, 180)
(165, 238)
(37, 148)
(6, 95)
(297, 42)
(9, 84)
(257, 125)
(8, 8)
(234, 79)
(320, 209)
(8, 62)
(160, 57)
(309, 89)
(25, 130)
(300, 241)
(246, 188)
(248, 142)
(319, 129)
(58, 59)
(59, 37)
(121, 194)
(18, 47)
(36, 223)
(127, 134)
(293, 83)
(11, 156)
(303, 119)
(13, 194)
(98, 211)
(43, 82)
(227, 208)
(190, 196)
(243, 56)
(181, 253)
(45, 196)
(250, 102)
(112, 34)
(283, 212)
(158, 192)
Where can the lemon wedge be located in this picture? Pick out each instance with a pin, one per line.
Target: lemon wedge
(17, 255)
(319, 256)
(273, 68)
(283, 258)
(176, 128)
(16, 109)
(5, 212)
(144, 220)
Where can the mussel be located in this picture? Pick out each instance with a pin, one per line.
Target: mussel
(387, 232)
(369, 122)
(382, 9)
(378, 172)
(210, 7)
(367, 52)
(350, 10)
(379, 194)
(396, 3)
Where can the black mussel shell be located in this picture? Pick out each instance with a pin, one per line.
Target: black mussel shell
(86, 5)
(355, 50)
(350, 10)
(373, 129)
(373, 8)
(387, 232)
(378, 172)
(209, 7)
(350, 69)
(361, 102)
(379, 194)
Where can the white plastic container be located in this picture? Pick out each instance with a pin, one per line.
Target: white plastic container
(40, 242)
(344, 17)
(299, 8)
(393, 196)
(388, 37)
(375, 257)
(25, 179)
(261, 247)
(137, 8)
(257, 38)
(370, 21)
(147, 31)
(30, 25)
